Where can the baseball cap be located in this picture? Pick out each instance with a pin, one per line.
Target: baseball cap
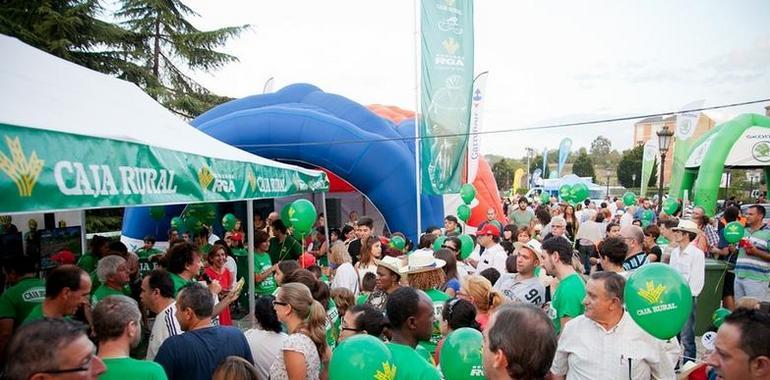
(489, 229)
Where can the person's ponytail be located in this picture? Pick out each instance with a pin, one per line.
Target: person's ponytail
(314, 326)
(495, 299)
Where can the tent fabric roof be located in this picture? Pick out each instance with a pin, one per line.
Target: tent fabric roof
(46, 92)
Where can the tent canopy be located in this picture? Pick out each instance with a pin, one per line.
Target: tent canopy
(72, 138)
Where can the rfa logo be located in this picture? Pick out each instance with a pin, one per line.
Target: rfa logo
(652, 293)
(450, 45)
(22, 170)
(205, 177)
(477, 371)
(761, 151)
(222, 183)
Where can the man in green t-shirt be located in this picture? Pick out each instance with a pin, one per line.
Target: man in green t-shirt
(522, 216)
(113, 276)
(100, 246)
(66, 289)
(283, 246)
(17, 301)
(263, 266)
(567, 302)
(184, 265)
(410, 312)
(117, 324)
(145, 253)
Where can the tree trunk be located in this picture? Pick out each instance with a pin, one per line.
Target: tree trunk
(156, 53)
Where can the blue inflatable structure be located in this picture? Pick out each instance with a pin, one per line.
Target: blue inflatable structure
(302, 124)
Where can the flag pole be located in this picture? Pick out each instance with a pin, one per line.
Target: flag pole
(418, 185)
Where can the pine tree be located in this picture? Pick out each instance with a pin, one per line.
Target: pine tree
(584, 166)
(166, 41)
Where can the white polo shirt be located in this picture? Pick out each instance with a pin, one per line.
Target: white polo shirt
(493, 257)
(587, 351)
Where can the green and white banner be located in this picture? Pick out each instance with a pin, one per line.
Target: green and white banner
(44, 170)
(445, 90)
(686, 123)
(650, 156)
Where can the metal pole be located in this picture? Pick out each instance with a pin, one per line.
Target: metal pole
(528, 171)
(660, 182)
(83, 238)
(250, 257)
(417, 114)
(326, 225)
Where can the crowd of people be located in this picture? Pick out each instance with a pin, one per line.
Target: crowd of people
(543, 283)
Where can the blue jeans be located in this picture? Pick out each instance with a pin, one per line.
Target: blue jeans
(687, 336)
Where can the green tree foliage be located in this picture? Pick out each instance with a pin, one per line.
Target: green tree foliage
(69, 29)
(165, 43)
(584, 166)
(631, 163)
(537, 163)
(600, 147)
(503, 171)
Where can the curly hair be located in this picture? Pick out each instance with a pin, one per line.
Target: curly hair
(432, 279)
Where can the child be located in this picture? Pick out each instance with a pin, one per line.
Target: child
(367, 287)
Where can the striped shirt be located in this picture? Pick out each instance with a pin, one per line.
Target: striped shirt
(635, 261)
(165, 325)
(752, 267)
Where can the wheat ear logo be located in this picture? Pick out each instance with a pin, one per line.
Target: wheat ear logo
(205, 177)
(450, 45)
(652, 293)
(388, 372)
(24, 172)
(251, 179)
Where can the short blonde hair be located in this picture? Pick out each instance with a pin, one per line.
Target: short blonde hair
(339, 254)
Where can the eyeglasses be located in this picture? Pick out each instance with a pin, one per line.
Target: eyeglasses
(345, 328)
(449, 247)
(279, 303)
(83, 368)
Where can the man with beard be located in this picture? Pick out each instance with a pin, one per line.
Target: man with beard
(117, 324)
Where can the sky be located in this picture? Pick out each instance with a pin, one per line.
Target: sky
(549, 61)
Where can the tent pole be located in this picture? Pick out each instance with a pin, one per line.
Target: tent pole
(83, 239)
(326, 226)
(250, 257)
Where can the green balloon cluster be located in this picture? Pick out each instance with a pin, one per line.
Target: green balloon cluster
(574, 193)
(398, 242)
(302, 215)
(564, 192)
(467, 246)
(467, 193)
(206, 213)
(658, 299)
(463, 212)
(733, 232)
(461, 356)
(362, 356)
(629, 199)
(228, 222)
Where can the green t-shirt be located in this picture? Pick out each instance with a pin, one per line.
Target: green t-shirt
(362, 298)
(567, 300)
(290, 249)
(332, 324)
(104, 291)
(88, 262)
(145, 266)
(128, 368)
(36, 314)
(179, 282)
(410, 365)
(19, 300)
(522, 218)
(262, 263)
(438, 298)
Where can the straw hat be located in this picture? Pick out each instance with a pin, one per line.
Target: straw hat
(422, 262)
(687, 226)
(394, 264)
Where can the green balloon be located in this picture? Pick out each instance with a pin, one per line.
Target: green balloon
(463, 212)
(670, 206)
(647, 217)
(467, 193)
(362, 356)
(461, 355)
(467, 246)
(228, 222)
(579, 192)
(176, 222)
(206, 213)
(629, 199)
(733, 232)
(157, 213)
(192, 224)
(285, 215)
(302, 215)
(545, 198)
(719, 316)
(565, 192)
(439, 242)
(658, 299)
(398, 242)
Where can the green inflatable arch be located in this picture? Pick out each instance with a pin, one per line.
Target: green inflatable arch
(743, 142)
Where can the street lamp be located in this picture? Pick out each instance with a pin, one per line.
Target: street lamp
(664, 142)
(633, 179)
(608, 173)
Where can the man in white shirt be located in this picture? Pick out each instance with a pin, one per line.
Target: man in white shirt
(605, 343)
(690, 262)
(494, 255)
(158, 296)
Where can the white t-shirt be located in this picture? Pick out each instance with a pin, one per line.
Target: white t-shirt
(265, 348)
(493, 257)
(346, 277)
(165, 325)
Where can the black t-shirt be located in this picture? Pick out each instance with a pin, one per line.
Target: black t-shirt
(655, 250)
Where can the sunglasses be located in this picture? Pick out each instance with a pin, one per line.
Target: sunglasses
(279, 303)
(449, 247)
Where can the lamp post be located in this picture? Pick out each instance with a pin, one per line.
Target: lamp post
(664, 141)
(608, 173)
(633, 179)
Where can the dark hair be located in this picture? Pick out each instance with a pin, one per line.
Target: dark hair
(97, 242)
(431, 229)
(526, 337)
(731, 214)
(370, 319)
(365, 221)
(491, 274)
(260, 237)
(507, 246)
(279, 225)
(265, 314)
(20, 265)
(670, 223)
(321, 230)
(513, 229)
(599, 217)
(561, 246)
(35, 346)
(755, 331)
(426, 240)
(510, 264)
(460, 313)
(119, 247)
(452, 218)
(235, 367)
(150, 238)
(456, 241)
(760, 209)
(179, 256)
(203, 232)
(197, 297)
(65, 276)
(161, 280)
(288, 266)
(346, 229)
(316, 271)
(318, 289)
(652, 230)
(543, 216)
(335, 231)
(369, 282)
(613, 283)
(402, 304)
(610, 225)
(614, 249)
(450, 269)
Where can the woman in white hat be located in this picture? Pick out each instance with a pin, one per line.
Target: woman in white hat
(425, 273)
(388, 278)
